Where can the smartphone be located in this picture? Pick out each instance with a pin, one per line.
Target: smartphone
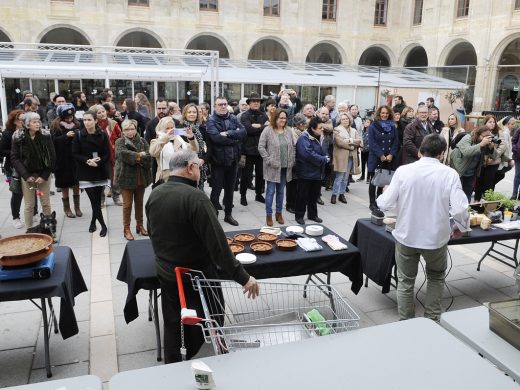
(95, 155)
(180, 131)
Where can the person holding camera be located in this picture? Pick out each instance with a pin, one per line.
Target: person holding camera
(468, 156)
(486, 179)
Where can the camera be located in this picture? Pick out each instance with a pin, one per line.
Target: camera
(496, 140)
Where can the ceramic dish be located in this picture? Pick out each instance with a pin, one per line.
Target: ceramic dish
(267, 237)
(314, 230)
(294, 229)
(286, 245)
(24, 249)
(261, 248)
(244, 237)
(246, 258)
(229, 240)
(236, 248)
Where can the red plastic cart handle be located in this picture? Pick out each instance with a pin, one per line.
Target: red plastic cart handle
(188, 316)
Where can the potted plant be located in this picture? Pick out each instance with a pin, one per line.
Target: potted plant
(508, 205)
(492, 200)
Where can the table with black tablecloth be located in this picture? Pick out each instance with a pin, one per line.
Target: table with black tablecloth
(65, 282)
(377, 248)
(137, 269)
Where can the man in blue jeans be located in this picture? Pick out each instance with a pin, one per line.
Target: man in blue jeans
(425, 194)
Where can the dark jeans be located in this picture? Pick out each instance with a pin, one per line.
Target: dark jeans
(467, 185)
(307, 196)
(223, 177)
(16, 202)
(94, 195)
(171, 309)
(247, 175)
(364, 162)
(486, 180)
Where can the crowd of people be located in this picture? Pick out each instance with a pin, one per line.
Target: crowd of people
(283, 150)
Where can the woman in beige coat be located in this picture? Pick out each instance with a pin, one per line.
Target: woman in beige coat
(346, 144)
(449, 133)
(166, 144)
(276, 146)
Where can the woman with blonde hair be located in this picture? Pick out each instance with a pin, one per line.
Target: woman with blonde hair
(276, 147)
(169, 140)
(133, 175)
(449, 133)
(192, 118)
(143, 105)
(345, 156)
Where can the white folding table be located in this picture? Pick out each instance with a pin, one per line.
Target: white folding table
(472, 327)
(85, 382)
(414, 354)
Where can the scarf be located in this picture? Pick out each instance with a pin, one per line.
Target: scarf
(67, 126)
(38, 156)
(387, 125)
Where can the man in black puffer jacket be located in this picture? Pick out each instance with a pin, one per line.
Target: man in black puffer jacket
(225, 136)
(254, 122)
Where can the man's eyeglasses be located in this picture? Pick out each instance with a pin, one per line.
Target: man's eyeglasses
(221, 104)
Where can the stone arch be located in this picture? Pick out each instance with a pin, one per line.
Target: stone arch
(64, 34)
(375, 55)
(327, 52)
(210, 41)
(414, 56)
(139, 37)
(503, 48)
(4, 36)
(271, 49)
(458, 52)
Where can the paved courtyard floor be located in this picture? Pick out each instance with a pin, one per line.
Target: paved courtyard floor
(106, 345)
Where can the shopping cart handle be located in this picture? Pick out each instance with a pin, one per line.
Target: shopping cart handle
(189, 317)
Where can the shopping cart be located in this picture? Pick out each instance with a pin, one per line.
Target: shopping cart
(280, 314)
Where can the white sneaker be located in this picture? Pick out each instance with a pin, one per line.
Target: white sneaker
(17, 223)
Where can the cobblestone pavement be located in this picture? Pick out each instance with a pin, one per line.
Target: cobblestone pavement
(106, 344)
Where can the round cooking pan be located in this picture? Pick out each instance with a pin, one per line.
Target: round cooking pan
(24, 249)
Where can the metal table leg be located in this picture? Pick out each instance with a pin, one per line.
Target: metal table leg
(46, 337)
(513, 260)
(153, 315)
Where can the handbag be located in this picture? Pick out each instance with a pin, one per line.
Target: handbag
(242, 161)
(15, 184)
(382, 177)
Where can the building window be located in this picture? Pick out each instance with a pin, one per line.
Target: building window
(517, 4)
(271, 7)
(141, 3)
(208, 5)
(329, 10)
(380, 13)
(417, 12)
(462, 8)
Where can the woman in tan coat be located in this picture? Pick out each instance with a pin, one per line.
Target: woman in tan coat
(166, 144)
(276, 146)
(346, 162)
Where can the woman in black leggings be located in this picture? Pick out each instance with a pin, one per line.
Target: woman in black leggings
(91, 150)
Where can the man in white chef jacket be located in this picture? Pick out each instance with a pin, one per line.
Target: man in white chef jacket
(425, 194)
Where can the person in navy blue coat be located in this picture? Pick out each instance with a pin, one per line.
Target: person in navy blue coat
(383, 141)
(225, 136)
(311, 158)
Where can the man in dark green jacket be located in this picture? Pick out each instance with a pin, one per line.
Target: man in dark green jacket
(185, 232)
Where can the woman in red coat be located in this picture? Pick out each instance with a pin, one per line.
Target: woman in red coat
(113, 132)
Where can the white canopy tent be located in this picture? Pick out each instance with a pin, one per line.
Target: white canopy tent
(67, 62)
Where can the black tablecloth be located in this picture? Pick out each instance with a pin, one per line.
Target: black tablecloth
(65, 282)
(377, 247)
(137, 267)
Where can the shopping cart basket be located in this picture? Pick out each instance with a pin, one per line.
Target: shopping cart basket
(280, 314)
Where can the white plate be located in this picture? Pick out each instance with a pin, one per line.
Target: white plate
(246, 258)
(294, 229)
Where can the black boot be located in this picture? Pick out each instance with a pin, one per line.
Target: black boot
(333, 199)
(342, 198)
